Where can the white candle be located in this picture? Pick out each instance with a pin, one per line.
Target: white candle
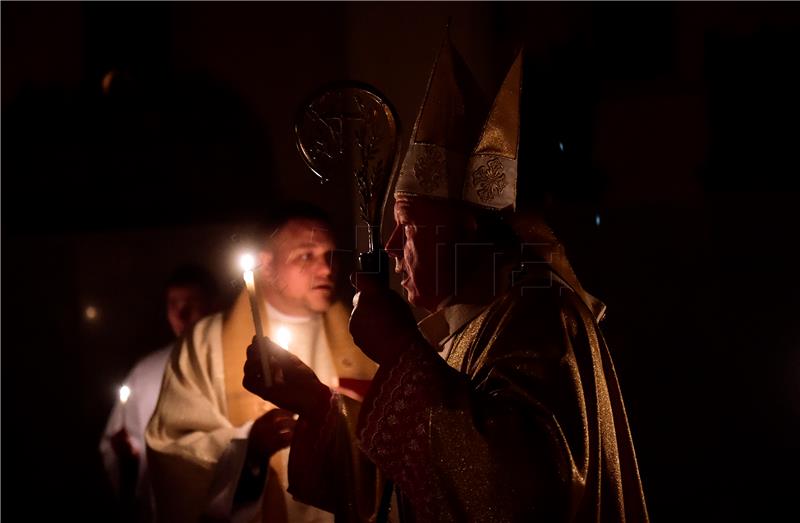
(248, 263)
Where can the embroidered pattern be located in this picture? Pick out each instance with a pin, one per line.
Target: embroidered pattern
(429, 168)
(489, 180)
(395, 433)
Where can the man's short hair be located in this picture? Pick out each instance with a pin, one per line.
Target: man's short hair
(279, 216)
(192, 275)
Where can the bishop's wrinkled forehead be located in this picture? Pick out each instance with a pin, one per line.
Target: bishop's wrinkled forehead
(420, 210)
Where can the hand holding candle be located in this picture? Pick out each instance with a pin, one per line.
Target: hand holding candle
(248, 263)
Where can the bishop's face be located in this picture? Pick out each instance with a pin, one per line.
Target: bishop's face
(422, 245)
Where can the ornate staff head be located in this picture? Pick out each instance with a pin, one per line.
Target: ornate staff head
(351, 130)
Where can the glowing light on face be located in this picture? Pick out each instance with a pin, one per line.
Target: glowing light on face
(124, 394)
(597, 220)
(283, 337)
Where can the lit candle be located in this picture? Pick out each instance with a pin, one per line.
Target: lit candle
(283, 337)
(248, 263)
(124, 394)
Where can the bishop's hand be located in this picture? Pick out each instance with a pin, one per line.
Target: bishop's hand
(294, 387)
(381, 323)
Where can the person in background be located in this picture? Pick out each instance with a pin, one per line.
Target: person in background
(219, 453)
(190, 294)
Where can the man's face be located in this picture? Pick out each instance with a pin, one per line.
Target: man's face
(422, 244)
(297, 272)
(185, 305)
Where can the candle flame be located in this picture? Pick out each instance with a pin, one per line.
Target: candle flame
(283, 337)
(249, 281)
(247, 261)
(124, 393)
(90, 312)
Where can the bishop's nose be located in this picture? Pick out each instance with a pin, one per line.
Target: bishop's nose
(394, 245)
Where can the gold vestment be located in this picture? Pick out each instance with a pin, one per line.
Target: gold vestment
(523, 422)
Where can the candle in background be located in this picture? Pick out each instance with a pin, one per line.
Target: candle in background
(124, 394)
(283, 337)
(248, 262)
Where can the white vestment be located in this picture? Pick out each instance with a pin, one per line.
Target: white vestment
(197, 438)
(144, 382)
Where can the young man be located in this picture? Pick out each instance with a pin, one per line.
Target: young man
(217, 451)
(191, 294)
(503, 404)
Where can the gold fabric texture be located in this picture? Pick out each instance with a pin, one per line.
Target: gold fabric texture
(500, 135)
(492, 168)
(445, 130)
(524, 421)
(437, 165)
(489, 180)
(552, 364)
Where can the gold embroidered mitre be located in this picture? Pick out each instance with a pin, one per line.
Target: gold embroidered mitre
(444, 131)
(491, 176)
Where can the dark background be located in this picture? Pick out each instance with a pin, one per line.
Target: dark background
(680, 126)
